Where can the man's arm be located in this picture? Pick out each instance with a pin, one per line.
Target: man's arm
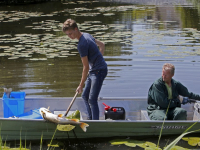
(101, 46)
(84, 74)
(183, 91)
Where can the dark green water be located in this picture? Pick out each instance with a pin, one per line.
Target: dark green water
(139, 39)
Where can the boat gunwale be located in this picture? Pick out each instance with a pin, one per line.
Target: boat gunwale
(105, 121)
(80, 98)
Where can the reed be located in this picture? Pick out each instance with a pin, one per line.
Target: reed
(41, 141)
(2, 146)
(52, 139)
(163, 125)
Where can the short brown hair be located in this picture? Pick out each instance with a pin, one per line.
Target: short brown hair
(69, 24)
(168, 66)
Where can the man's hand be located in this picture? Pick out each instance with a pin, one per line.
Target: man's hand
(185, 100)
(79, 89)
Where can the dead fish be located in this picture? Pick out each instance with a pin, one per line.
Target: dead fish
(60, 119)
(7, 92)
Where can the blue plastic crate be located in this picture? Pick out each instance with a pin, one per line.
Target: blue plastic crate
(32, 114)
(14, 105)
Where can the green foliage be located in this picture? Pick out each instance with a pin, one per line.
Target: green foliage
(192, 141)
(50, 145)
(67, 127)
(74, 115)
(134, 143)
(152, 146)
(178, 148)
(41, 141)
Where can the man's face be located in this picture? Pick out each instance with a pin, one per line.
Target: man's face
(71, 33)
(167, 75)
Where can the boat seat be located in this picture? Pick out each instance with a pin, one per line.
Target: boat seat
(144, 115)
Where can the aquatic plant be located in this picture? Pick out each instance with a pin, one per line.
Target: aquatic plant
(49, 145)
(41, 141)
(134, 143)
(163, 124)
(193, 141)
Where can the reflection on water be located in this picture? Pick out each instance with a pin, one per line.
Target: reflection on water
(36, 57)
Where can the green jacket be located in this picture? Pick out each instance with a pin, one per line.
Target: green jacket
(158, 95)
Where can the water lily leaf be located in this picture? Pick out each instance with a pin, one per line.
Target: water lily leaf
(190, 138)
(185, 138)
(65, 127)
(142, 145)
(118, 141)
(108, 14)
(16, 149)
(35, 59)
(178, 148)
(137, 143)
(13, 57)
(152, 148)
(130, 144)
(193, 141)
(150, 144)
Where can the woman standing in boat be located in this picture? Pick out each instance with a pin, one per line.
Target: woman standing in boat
(164, 93)
(94, 66)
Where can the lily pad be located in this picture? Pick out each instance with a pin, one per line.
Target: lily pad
(118, 141)
(65, 127)
(13, 57)
(193, 141)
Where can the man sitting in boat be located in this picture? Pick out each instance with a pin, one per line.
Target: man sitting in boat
(164, 94)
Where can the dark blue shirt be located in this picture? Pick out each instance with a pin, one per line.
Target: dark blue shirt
(88, 47)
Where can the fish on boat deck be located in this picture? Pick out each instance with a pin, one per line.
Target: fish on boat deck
(60, 119)
(7, 92)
